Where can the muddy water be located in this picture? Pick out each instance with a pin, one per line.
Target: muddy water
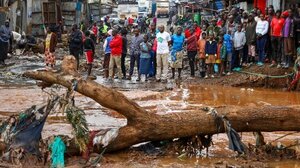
(181, 98)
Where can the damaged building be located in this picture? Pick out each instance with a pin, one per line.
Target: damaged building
(30, 16)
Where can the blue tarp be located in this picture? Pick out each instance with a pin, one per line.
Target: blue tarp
(219, 4)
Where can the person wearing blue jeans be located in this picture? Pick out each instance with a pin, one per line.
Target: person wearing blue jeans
(261, 43)
(262, 28)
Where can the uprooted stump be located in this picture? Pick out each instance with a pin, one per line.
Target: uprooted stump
(144, 126)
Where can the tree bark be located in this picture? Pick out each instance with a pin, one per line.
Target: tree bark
(145, 126)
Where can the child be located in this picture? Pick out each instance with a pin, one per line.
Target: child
(89, 50)
(223, 52)
(239, 40)
(145, 58)
(228, 57)
(218, 58)
(201, 46)
(107, 51)
(211, 54)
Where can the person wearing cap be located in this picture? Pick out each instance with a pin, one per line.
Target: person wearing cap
(76, 43)
(5, 36)
(50, 44)
(288, 35)
(276, 38)
(214, 28)
(107, 51)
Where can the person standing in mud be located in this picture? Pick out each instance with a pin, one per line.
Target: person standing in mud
(89, 50)
(163, 41)
(239, 40)
(192, 50)
(5, 36)
(210, 53)
(276, 38)
(177, 52)
(107, 51)
(124, 51)
(50, 44)
(251, 38)
(151, 37)
(145, 58)
(288, 38)
(116, 53)
(262, 28)
(76, 43)
(201, 49)
(136, 40)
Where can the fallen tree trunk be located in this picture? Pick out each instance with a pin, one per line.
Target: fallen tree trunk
(145, 126)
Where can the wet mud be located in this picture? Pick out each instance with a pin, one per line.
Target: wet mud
(183, 97)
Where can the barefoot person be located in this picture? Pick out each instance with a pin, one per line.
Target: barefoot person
(51, 41)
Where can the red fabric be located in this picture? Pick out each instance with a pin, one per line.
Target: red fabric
(220, 23)
(192, 43)
(89, 57)
(260, 4)
(296, 79)
(198, 32)
(285, 13)
(154, 47)
(276, 26)
(86, 153)
(95, 30)
(130, 21)
(219, 50)
(116, 45)
(187, 33)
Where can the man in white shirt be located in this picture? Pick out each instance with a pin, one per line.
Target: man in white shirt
(262, 28)
(163, 40)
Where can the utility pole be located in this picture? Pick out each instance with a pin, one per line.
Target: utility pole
(19, 17)
(99, 9)
(230, 4)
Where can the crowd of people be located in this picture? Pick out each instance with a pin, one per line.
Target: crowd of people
(216, 46)
(230, 42)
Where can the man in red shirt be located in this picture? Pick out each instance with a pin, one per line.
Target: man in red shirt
(277, 24)
(116, 52)
(197, 30)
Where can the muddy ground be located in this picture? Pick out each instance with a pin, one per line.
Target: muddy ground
(239, 89)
